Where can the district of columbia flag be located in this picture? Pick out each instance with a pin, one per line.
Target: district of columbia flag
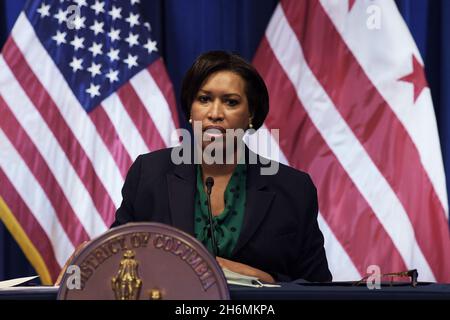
(349, 95)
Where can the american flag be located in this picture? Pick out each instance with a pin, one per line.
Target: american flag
(83, 91)
(348, 90)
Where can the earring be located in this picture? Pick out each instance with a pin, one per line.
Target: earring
(190, 120)
(250, 125)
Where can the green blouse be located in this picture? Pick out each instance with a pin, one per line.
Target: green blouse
(228, 224)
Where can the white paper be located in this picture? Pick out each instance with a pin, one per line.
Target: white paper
(244, 280)
(15, 282)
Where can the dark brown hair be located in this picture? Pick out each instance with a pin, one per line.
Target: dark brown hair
(214, 61)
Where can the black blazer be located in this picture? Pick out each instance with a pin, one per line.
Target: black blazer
(280, 234)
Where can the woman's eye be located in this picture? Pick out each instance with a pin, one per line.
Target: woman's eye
(203, 99)
(232, 102)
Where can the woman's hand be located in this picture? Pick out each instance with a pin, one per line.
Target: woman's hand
(245, 269)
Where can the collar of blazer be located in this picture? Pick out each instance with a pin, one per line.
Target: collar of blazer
(182, 182)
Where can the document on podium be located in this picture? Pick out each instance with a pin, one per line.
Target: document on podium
(243, 280)
(14, 282)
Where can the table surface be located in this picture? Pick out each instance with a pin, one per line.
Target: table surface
(287, 291)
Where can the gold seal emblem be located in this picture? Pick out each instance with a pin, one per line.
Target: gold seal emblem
(127, 284)
(120, 264)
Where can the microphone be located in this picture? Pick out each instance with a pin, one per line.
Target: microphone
(209, 184)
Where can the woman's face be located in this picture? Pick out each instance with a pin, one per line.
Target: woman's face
(221, 103)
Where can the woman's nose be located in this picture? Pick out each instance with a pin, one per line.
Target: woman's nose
(216, 111)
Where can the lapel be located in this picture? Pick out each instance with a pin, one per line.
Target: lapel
(257, 204)
(181, 183)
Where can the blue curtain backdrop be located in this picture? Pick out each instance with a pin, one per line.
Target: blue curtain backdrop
(185, 28)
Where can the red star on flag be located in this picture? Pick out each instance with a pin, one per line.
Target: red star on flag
(416, 78)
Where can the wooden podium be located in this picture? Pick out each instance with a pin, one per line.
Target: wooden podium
(142, 261)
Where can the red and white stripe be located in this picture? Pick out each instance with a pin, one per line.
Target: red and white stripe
(382, 195)
(17, 179)
(417, 117)
(66, 166)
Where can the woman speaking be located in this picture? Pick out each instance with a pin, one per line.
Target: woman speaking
(264, 225)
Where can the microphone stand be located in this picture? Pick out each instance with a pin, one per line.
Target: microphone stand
(209, 184)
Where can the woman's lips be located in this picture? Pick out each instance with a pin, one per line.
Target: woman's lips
(214, 131)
